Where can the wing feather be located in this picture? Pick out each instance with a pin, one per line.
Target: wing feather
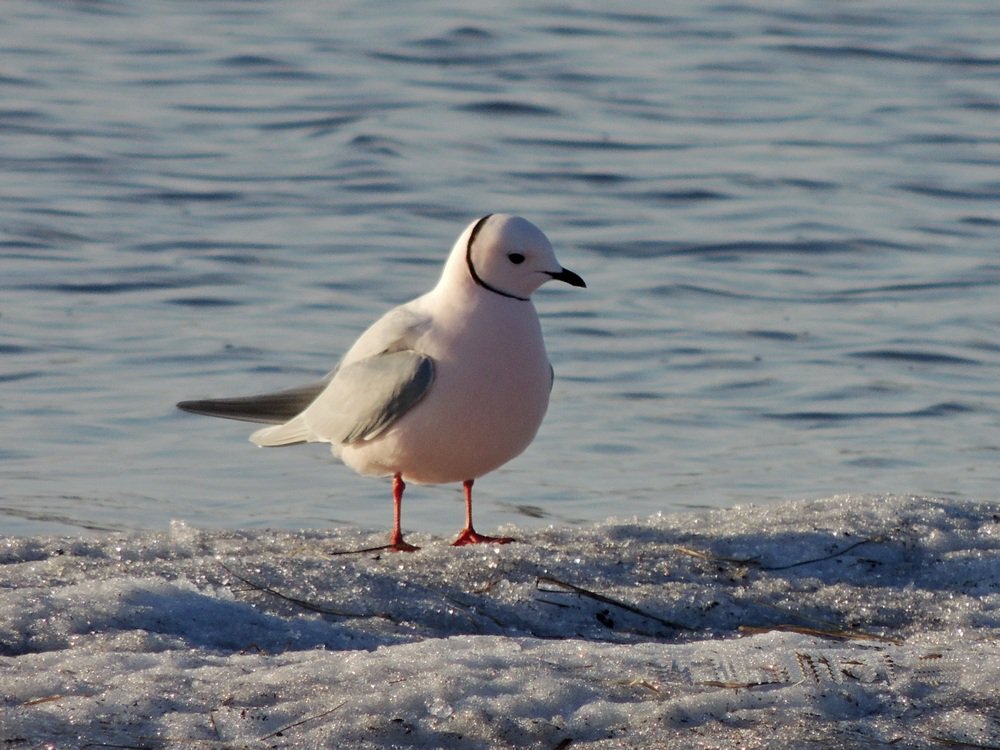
(271, 408)
(379, 379)
(362, 400)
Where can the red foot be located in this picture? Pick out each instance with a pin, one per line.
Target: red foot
(396, 544)
(471, 536)
(399, 546)
(402, 546)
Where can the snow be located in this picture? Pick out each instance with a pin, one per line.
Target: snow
(856, 621)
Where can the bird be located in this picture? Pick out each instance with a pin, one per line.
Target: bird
(442, 389)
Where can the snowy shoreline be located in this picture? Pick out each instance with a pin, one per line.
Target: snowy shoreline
(857, 621)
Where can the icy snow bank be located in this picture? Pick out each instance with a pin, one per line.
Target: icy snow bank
(854, 622)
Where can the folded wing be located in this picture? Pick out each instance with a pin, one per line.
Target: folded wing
(361, 401)
(272, 408)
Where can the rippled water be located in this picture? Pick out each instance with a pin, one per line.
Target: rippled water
(788, 217)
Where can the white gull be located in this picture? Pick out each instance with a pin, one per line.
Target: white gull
(444, 388)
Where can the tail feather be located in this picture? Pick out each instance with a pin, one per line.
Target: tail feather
(289, 433)
(270, 408)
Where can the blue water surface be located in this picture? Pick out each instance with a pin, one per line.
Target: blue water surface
(788, 216)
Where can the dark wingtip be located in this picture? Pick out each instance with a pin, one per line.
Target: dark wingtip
(199, 407)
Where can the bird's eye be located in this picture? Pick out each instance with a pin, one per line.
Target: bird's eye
(515, 258)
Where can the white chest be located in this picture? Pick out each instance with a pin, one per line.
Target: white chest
(491, 389)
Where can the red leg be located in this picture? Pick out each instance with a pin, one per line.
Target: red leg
(469, 535)
(396, 542)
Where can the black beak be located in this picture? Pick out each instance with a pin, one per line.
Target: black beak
(569, 277)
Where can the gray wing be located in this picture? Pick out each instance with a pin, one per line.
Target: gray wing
(271, 408)
(380, 378)
(363, 399)
(368, 396)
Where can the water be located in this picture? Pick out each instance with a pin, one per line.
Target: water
(788, 217)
